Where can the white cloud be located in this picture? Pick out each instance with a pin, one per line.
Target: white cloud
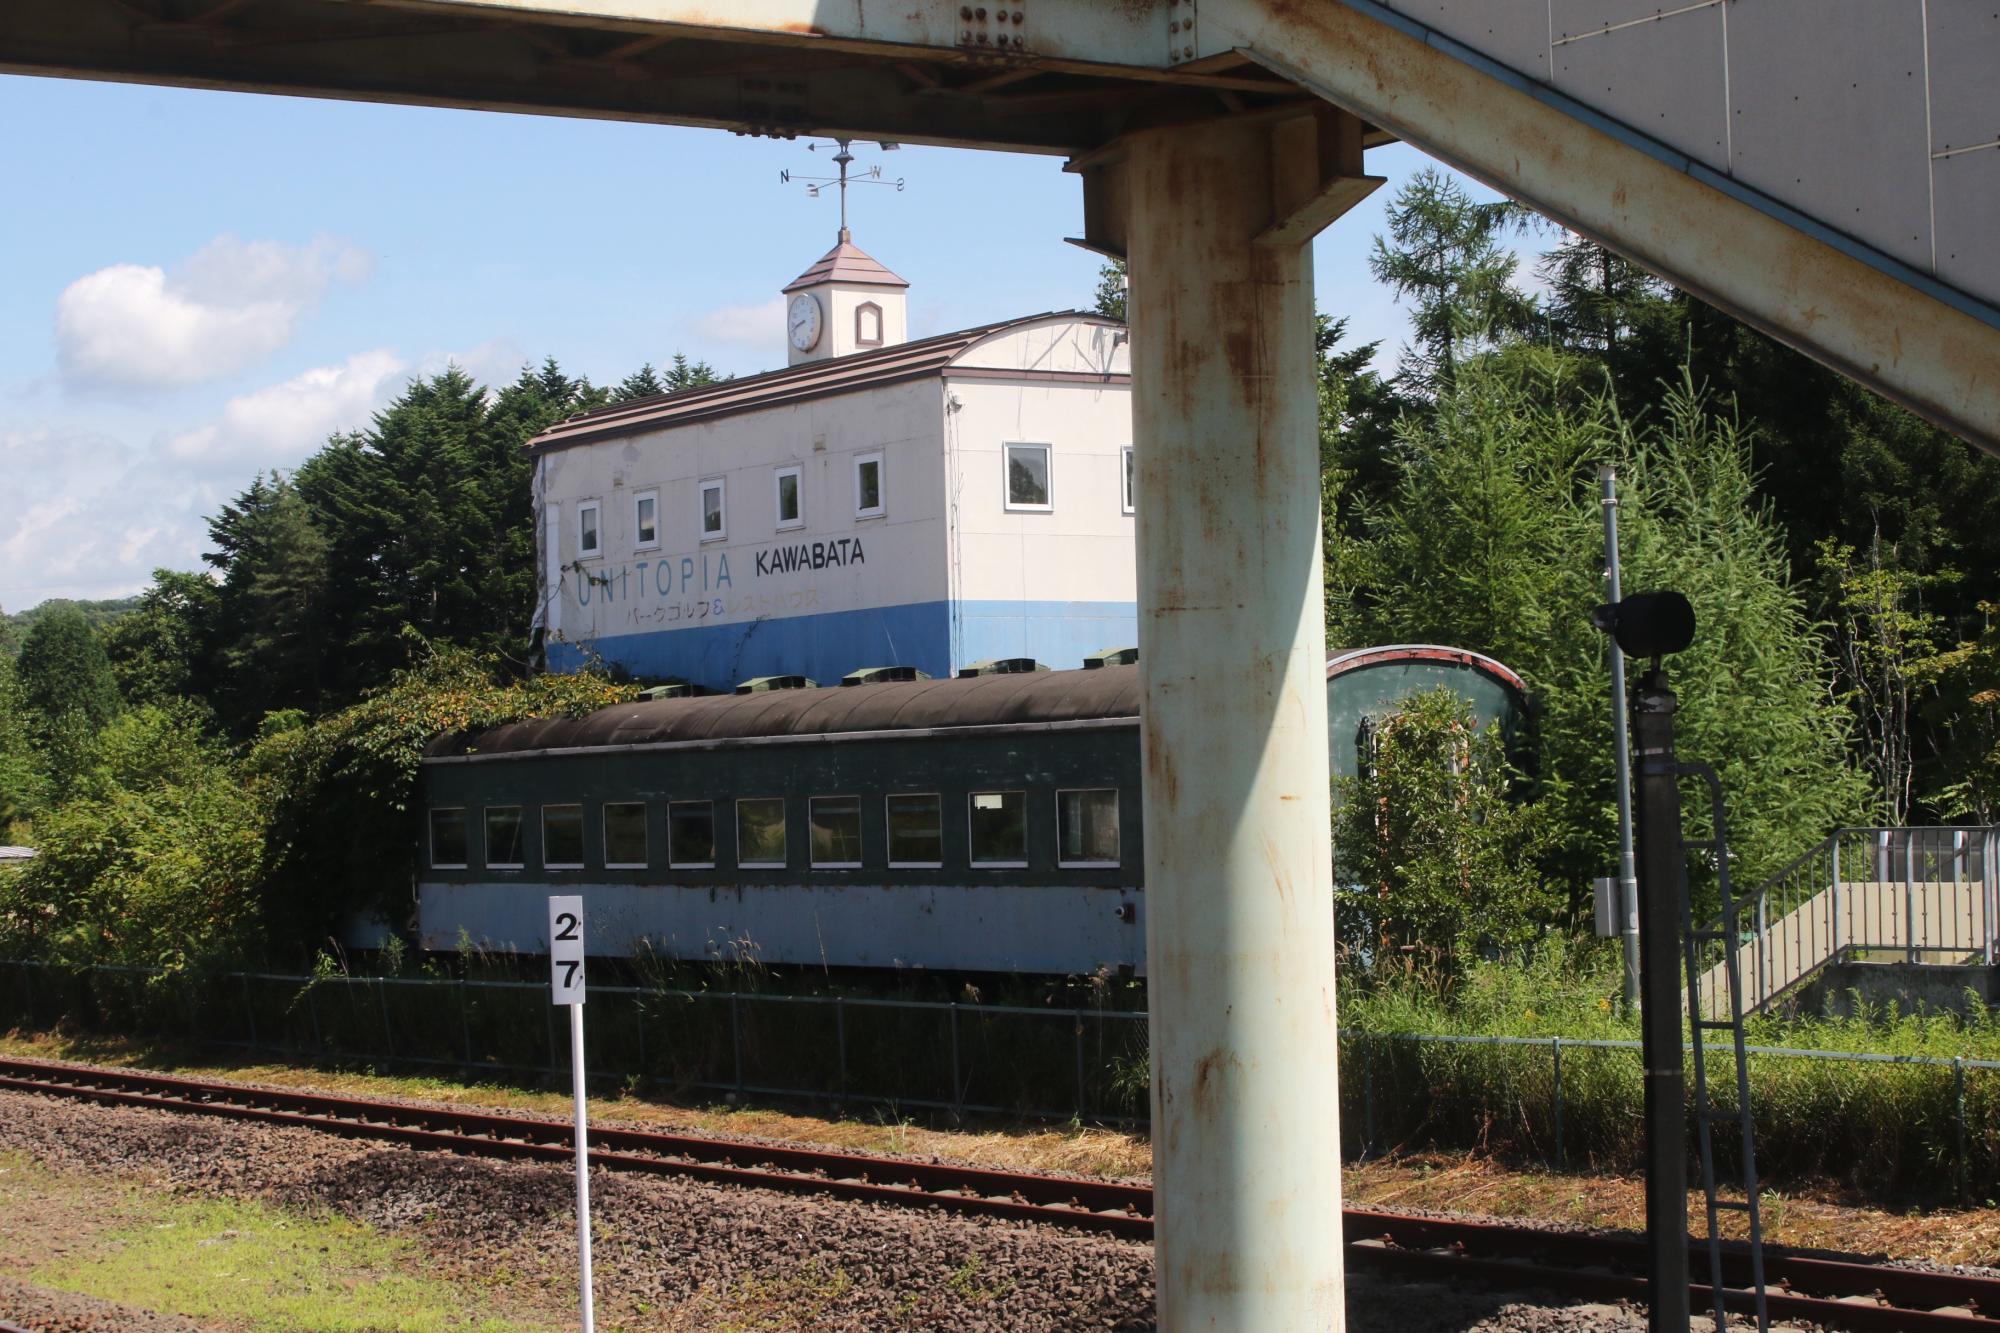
(279, 425)
(89, 516)
(759, 327)
(227, 306)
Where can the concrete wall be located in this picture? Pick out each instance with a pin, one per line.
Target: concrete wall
(1928, 987)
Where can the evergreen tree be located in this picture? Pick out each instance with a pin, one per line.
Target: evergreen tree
(1109, 299)
(62, 670)
(642, 383)
(164, 648)
(1443, 252)
(685, 374)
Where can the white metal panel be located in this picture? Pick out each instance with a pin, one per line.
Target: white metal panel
(1064, 345)
(1965, 73)
(1968, 219)
(1081, 550)
(1828, 114)
(1659, 68)
(1513, 32)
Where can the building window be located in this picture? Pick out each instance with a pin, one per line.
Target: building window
(448, 839)
(1028, 477)
(589, 539)
(791, 508)
(1129, 489)
(868, 325)
(646, 520)
(1087, 827)
(625, 835)
(503, 837)
(712, 529)
(562, 837)
(760, 832)
(868, 486)
(916, 830)
(999, 828)
(691, 835)
(836, 832)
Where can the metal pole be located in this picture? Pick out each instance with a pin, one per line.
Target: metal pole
(582, 1165)
(1663, 869)
(1909, 896)
(1556, 1055)
(1621, 751)
(1232, 652)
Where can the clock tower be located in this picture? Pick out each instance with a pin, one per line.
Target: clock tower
(845, 303)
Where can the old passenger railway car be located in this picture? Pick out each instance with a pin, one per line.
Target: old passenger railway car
(989, 824)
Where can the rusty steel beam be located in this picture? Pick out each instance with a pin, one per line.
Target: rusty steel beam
(1239, 910)
(1853, 312)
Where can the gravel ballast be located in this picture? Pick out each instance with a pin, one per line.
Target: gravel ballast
(683, 1254)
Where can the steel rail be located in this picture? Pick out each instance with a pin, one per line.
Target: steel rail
(1844, 1293)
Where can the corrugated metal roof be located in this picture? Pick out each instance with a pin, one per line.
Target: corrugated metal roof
(813, 379)
(1022, 698)
(846, 262)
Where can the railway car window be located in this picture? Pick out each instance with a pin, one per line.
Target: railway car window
(503, 837)
(562, 837)
(760, 831)
(999, 828)
(1087, 827)
(589, 539)
(916, 830)
(691, 835)
(868, 486)
(448, 839)
(836, 832)
(1028, 476)
(625, 835)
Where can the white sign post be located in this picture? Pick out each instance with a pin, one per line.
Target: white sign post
(566, 985)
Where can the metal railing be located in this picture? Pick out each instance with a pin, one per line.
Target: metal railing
(1918, 894)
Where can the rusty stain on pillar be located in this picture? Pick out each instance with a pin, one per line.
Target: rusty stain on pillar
(1239, 913)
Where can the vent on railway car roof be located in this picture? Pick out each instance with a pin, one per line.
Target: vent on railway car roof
(1001, 666)
(759, 684)
(675, 688)
(1105, 657)
(882, 674)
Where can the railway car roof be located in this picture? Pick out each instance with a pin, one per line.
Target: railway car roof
(1025, 699)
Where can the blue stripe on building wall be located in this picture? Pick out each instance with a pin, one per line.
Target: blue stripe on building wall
(825, 647)
(828, 645)
(1056, 634)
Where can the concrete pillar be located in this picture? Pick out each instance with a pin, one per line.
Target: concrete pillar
(1232, 645)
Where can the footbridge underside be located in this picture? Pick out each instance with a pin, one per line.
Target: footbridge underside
(1828, 170)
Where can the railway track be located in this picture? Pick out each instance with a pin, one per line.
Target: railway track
(1842, 1293)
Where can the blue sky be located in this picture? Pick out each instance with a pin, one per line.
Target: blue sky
(195, 286)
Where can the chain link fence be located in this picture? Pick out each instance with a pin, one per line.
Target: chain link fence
(1890, 1125)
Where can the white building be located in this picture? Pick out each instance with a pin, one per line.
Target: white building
(878, 502)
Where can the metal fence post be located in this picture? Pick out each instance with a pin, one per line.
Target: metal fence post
(1833, 926)
(1763, 947)
(952, 1013)
(1556, 1053)
(1958, 1112)
(388, 1028)
(465, 1025)
(1076, 1022)
(1910, 896)
(249, 1009)
(736, 1041)
(840, 1039)
(1361, 1048)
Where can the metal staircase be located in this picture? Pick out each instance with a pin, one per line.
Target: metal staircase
(1918, 894)
(1723, 936)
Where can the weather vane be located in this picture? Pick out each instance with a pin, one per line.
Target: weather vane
(843, 156)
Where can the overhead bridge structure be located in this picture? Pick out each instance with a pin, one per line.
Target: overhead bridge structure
(1827, 170)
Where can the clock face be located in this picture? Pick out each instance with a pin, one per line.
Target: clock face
(802, 321)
